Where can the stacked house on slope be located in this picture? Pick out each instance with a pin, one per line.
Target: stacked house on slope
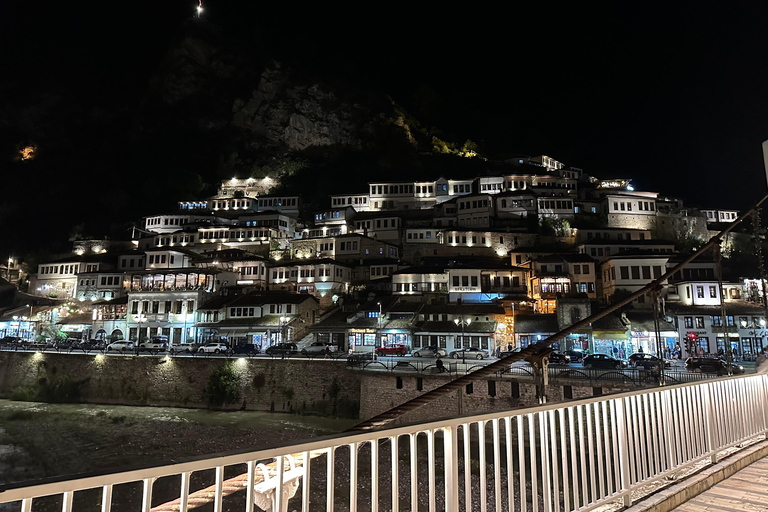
(508, 257)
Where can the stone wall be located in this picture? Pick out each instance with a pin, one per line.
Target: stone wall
(380, 392)
(322, 386)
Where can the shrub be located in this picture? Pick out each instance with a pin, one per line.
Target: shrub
(223, 386)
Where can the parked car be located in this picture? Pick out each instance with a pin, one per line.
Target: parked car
(120, 345)
(282, 349)
(213, 348)
(392, 350)
(189, 348)
(318, 348)
(10, 341)
(576, 356)
(91, 345)
(603, 361)
(247, 349)
(646, 360)
(712, 365)
(155, 344)
(559, 358)
(429, 352)
(469, 353)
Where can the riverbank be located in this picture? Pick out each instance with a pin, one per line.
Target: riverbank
(39, 440)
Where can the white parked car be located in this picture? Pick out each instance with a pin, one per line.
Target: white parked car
(318, 348)
(429, 352)
(154, 344)
(120, 346)
(188, 348)
(213, 348)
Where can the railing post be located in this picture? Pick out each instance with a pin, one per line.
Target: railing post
(451, 448)
(621, 422)
(710, 423)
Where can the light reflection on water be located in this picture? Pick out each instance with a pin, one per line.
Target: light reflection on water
(313, 425)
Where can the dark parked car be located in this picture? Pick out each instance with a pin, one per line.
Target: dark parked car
(248, 349)
(644, 360)
(712, 365)
(282, 349)
(576, 356)
(10, 341)
(392, 350)
(603, 361)
(558, 358)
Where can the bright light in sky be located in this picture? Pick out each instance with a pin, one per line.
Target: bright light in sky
(199, 8)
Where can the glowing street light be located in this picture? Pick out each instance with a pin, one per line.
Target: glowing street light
(200, 8)
(463, 322)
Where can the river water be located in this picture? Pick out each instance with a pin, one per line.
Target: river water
(41, 440)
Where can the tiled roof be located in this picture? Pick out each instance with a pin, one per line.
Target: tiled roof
(640, 321)
(474, 327)
(731, 308)
(536, 324)
(463, 309)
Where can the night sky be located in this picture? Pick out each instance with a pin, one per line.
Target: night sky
(673, 96)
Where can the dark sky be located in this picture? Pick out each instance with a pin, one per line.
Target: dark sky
(673, 95)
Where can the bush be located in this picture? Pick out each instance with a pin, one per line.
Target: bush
(223, 386)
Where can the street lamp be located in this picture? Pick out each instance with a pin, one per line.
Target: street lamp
(381, 344)
(284, 328)
(141, 317)
(463, 322)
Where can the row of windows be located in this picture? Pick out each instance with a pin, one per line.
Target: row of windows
(382, 271)
(105, 281)
(431, 340)
(252, 271)
(160, 259)
(175, 307)
(550, 204)
(277, 201)
(636, 271)
(465, 280)
(587, 287)
(647, 206)
(336, 214)
(213, 235)
(420, 236)
(556, 288)
(267, 223)
(132, 262)
(517, 203)
(391, 189)
(348, 246)
(462, 189)
(342, 201)
(176, 239)
(166, 221)
(235, 204)
(421, 287)
(306, 272)
(60, 269)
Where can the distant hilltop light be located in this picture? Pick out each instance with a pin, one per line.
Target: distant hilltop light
(28, 152)
(199, 8)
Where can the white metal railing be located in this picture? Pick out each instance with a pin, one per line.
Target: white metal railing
(560, 457)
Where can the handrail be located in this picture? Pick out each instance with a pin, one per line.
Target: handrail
(567, 456)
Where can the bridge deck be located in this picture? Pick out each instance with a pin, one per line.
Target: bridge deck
(745, 490)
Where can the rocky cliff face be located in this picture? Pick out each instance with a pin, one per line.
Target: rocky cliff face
(297, 116)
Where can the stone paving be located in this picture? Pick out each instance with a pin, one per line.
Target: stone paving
(745, 490)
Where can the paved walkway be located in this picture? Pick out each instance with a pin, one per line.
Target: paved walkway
(745, 490)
